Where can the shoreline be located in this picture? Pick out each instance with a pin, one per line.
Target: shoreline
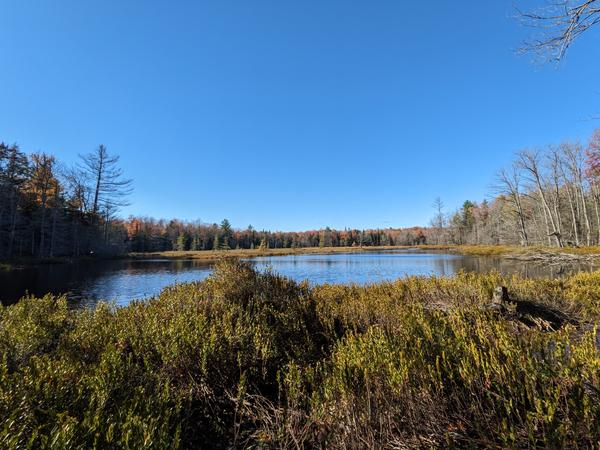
(533, 253)
(214, 255)
(509, 252)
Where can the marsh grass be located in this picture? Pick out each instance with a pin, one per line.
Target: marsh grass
(473, 250)
(505, 250)
(249, 359)
(215, 255)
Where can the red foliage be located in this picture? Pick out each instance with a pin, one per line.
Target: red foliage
(592, 162)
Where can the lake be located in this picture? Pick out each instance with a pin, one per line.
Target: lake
(85, 283)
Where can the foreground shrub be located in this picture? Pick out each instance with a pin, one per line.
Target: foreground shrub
(246, 359)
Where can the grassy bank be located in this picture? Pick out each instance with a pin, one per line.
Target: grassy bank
(506, 250)
(475, 250)
(248, 359)
(213, 255)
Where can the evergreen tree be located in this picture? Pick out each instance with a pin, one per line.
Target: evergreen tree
(14, 173)
(325, 239)
(226, 233)
(180, 243)
(225, 245)
(195, 246)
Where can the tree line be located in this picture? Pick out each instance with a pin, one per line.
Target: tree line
(548, 196)
(48, 209)
(148, 234)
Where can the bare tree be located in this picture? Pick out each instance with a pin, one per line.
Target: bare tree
(509, 184)
(76, 189)
(570, 185)
(530, 162)
(560, 23)
(438, 220)
(575, 160)
(554, 164)
(106, 180)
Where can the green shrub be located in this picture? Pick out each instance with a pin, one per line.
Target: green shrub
(246, 359)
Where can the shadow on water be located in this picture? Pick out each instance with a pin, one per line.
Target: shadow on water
(528, 269)
(85, 283)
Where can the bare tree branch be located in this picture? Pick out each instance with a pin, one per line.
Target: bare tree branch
(560, 23)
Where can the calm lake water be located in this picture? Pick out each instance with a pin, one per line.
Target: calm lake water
(121, 281)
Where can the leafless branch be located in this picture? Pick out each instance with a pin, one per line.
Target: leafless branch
(560, 23)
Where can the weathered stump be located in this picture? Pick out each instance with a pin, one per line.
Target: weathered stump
(528, 313)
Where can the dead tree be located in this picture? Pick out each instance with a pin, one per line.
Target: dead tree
(529, 161)
(509, 184)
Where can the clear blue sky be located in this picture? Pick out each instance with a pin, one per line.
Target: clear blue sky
(289, 114)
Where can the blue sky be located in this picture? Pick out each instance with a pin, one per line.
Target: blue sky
(290, 115)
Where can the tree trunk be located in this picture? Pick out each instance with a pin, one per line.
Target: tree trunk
(13, 224)
(596, 197)
(524, 237)
(548, 235)
(586, 217)
(53, 234)
(572, 201)
(42, 230)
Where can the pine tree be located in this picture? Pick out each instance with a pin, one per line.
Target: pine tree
(195, 246)
(225, 244)
(14, 172)
(226, 233)
(180, 243)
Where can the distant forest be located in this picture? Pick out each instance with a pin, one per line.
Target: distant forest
(548, 196)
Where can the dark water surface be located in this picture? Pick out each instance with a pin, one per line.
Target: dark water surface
(121, 280)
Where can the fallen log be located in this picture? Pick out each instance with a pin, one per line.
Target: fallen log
(530, 314)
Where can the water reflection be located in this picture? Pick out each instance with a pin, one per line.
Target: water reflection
(529, 269)
(122, 281)
(87, 282)
(360, 268)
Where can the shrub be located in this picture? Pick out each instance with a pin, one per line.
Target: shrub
(246, 359)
